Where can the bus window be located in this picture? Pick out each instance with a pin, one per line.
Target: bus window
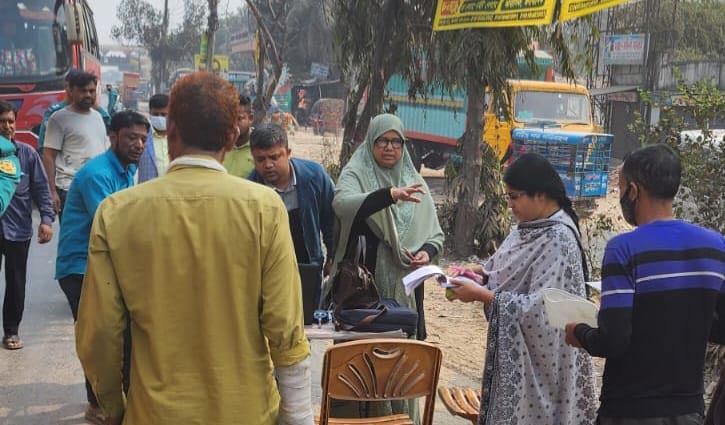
(28, 47)
(91, 38)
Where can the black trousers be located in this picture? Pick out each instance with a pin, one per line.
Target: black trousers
(16, 265)
(72, 286)
(62, 194)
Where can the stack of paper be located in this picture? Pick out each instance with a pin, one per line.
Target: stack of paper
(412, 280)
(563, 307)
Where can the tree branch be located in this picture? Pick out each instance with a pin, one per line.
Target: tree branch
(265, 31)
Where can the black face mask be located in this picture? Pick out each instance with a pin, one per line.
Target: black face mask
(628, 207)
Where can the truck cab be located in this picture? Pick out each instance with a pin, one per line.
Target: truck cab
(433, 125)
(536, 104)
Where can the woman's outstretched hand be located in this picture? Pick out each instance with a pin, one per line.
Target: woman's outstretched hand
(406, 193)
(468, 291)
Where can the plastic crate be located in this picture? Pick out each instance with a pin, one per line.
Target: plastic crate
(581, 159)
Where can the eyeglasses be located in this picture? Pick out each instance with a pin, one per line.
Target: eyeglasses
(382, 142)
(512, 196)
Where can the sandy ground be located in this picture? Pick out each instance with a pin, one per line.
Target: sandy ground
(458, 329)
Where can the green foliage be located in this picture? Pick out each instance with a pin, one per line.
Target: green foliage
(141, 23)
(696, 27)
(701, 197)
(309, 36)
(373, 40)
(595, 231)
(493, 220)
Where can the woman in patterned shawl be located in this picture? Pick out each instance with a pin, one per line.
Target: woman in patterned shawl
(381, 196)
(530, 375)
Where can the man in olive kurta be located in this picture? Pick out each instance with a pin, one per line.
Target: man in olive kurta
(203, 265)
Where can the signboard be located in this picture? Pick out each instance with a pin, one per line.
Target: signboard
(319, 70)
(624, 49)
(458, 14)
(220, 63)
(575, 8)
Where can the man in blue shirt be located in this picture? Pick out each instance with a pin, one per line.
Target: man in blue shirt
(95, 181)
(306, 190)
(660, 286)
(17, 227)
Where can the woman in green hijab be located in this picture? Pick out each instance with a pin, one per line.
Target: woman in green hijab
(376, 197)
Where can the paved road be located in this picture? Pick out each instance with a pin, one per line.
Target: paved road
(42, 383)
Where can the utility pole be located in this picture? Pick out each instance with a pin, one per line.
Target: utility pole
(164, 46)
(213, 24)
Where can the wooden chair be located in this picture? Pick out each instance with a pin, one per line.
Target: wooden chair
(465, 403)
(379, 370)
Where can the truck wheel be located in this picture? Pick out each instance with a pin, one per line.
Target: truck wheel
(412, 151)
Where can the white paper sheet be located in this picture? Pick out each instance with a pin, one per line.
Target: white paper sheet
(562, 308)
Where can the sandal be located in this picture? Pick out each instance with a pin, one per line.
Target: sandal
(13, 342)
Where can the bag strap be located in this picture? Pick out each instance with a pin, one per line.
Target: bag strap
(360, 250)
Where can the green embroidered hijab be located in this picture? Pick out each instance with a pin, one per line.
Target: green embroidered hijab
(402, 225)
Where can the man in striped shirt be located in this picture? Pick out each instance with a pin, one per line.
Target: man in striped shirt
(660, 286)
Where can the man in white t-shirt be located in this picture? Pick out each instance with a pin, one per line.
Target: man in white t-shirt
(74, 135)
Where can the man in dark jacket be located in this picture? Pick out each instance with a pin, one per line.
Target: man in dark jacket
(305, 188)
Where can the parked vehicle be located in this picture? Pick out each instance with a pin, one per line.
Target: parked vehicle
(41, 41)
(582, 159)
(129, 89)
(326, 115)
(435, 124)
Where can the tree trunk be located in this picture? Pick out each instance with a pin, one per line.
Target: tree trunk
(163, 74)
(467, 209)
(156, 75)
(350, 120)
(260, 107)
(381, 72)
(213, 23)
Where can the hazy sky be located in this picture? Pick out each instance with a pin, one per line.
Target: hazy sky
(105, 13)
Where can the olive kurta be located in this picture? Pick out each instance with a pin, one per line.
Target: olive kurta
(203, 265)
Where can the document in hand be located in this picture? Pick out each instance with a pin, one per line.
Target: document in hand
(562, 308)
(412, 280)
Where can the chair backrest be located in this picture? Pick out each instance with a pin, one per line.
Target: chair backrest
(381, 369)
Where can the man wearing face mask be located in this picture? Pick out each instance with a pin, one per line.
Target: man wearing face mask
(660, 286)
(155, 158)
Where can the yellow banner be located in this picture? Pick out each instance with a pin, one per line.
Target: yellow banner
(571, 9)
(458, 14)
(220, 63)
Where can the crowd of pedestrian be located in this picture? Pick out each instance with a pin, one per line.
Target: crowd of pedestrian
(182, 237)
